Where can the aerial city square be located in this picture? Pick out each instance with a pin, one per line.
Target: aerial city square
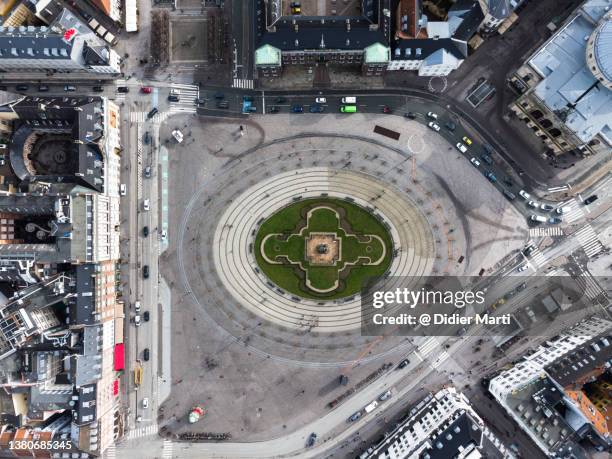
(331, 229)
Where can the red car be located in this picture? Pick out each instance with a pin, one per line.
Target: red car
(146, 89)
(386, 109)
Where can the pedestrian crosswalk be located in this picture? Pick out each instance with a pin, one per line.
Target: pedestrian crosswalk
(547, 231)
(576, 211)
(141, 117)
(241, 83)
(188, 93)
(591, 288)
(111, 452)
(429, 347)
(537, 258)
(167, 449)
(589, 241)
(145, 431)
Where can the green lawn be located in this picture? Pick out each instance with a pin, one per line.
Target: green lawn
(354, 221)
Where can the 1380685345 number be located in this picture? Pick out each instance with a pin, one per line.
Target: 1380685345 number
(37, 444)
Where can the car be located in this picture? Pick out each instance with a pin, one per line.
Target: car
(145, 402)
(488, 149)
(175, 91)
(312, 438)
(508, 182)
(280, 100)
(384, 396)
(273, 109)
(534, 204)
(296, 10)
(223, 104)
(163, 235)
(349, 100)
(316, 108)
(510, 195)
(432, 115)
(97, 89)
(467, 140)
(450, 126)
(491, 176)
(173, 98)
(199, 101)
(146, 316)
(409, 115)
(295, 4)
(546, 207)
(137, 320)
(537, 218)
(146, 89)
(145, 231)
(145, 271)
(122, 189)
(554, 220)
(487, 159)
(528, 250)
(146, 205)
(321, 100)
(146, 354)
(297, 109)
(147, 172)
(433, 126)
(354, 416)
(475, 162)
(123, 89)
(152, 113)
(22, 87)
(178, 135)
(219, 95)
(147, 138)
(591, 199)
(386, 109)
(563, 210)
(462, 148)
(43, 88)
(404, 363)
(137, 306)
(525, 267)
(523, 194)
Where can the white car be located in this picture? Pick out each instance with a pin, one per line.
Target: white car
(137, 306)
(563, 210)
(538, 218)
(146, 205)
(432, 115)
(533, 204)
(523, 194)
(163, 235)
(546, 207)
(462, 148)
(145, 402)
(321, 100)
(123, 189)
(475, 162)
(178, 135)
(434, 126)
(137, 320)
(523, 268)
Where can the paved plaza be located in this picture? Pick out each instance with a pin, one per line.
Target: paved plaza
(257, 337)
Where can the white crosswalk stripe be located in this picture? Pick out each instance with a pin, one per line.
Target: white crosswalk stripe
(145, 431)
(111, 452)
(187, 93)
(576, 212)
(241, 83)
(589, 241)
(537, 258)
(546, 231)
(167, 449)
(141, 117)
(428, 348)
(591, 288)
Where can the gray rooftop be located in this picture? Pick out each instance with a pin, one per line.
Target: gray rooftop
(568, 86)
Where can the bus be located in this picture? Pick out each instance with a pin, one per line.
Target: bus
(348, 108)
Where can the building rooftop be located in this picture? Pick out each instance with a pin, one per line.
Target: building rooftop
(568, 87)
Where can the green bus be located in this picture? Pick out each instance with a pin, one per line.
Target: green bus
(348, 108)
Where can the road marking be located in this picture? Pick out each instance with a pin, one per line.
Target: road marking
(576, 212)
(111, 452)
(537, 258)
(547, 231)
(589, 241)
(188, 94)
(141, 117)
(167, 449)
(146, 431)
(242, 83)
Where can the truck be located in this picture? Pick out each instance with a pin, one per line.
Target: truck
(371, 406)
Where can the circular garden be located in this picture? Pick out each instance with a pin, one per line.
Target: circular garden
(323, 248)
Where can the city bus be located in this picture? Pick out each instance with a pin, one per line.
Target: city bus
(348, 109)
